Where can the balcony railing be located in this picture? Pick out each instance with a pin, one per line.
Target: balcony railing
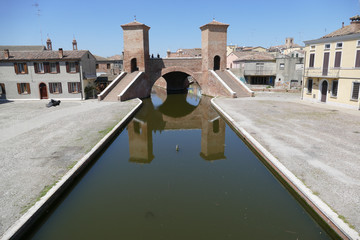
(331, 73)
(260, 72)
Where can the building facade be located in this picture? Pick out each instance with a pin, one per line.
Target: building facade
(45, 74)
(332, 67)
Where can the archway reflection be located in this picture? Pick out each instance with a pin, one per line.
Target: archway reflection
(176, 112)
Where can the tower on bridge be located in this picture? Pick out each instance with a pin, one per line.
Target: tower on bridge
(136, 46)
(213, 46)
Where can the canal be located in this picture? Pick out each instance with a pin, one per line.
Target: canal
(177, 171)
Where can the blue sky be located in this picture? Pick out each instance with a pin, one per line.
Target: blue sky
(174, 24)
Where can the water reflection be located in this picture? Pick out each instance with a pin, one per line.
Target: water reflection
(176, 112)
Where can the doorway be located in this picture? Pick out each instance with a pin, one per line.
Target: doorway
(43, 91)
(216, 63)
(134, 65)
(324, 88)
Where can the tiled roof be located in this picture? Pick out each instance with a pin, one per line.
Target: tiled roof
(116, 57)
(22, 48)
(294, 45)
(134, 24)
(254, 56)
(214, 23)
(99, 58)
(346, 30)
(42, 55)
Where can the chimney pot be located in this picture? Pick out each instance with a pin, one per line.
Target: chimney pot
(48, 44)
(61, 53)
(343, 24)
(6, 53)
(74, 43)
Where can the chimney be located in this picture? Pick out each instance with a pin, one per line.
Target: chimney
(6, 53)
(61, 53)
(168, 53)
(48, 44)
(342, 24)
(74, 43)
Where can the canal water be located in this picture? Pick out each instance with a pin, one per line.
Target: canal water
(178, 171)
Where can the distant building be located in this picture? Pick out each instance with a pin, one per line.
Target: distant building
(257, 68)
(111, 65)
(332, 67)
(34, 72)
(286, 48)
(192, 52)
(289, 70)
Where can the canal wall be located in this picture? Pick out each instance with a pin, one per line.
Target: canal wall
(317, 208)
(36, 211)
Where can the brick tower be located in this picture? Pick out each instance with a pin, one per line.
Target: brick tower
(213, 45)
(136, 46)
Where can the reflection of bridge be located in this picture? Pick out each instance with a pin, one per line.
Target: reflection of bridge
(141, 71)
(150, 119)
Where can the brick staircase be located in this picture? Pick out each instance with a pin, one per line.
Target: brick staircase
(234, 84)
(112, 96)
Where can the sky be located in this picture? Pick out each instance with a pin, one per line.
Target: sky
(174, 24)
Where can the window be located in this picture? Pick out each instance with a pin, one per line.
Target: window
(72, 67)
(339, 45)
(327, 46)
(337, 59)
(334, 88)
(312, 48)
(20, 68)
(52, 67)
(39, 67)
(309, 85)
(2, 89)
(355, 91)
(312, 59)
(55, 87)
(357, 61)
(74, 87)
(358, 43)
(23, 88)
(97, 66)
(108, 66)
(282, 66)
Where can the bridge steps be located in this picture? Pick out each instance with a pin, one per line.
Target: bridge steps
(120, 86)
(234, 84)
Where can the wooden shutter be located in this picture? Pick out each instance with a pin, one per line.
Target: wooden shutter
(16, 68)
(51, 85)
(25, 68)
(67, 67)
(357, 61)
(326, 64)
(79, 86)
(36, 67)
(77, 67)
(312, 58)
(46, 67)
(60, 88)
(18, 88)
(57, 67)
(69, 87)
(28, 88)
(337, 59)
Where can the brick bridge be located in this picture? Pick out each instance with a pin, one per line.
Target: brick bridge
(175, 74)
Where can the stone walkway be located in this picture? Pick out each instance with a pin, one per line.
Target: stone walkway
(38, 145)
(319, 143)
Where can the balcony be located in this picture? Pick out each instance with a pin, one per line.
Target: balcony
(320, 73)
(260, 72)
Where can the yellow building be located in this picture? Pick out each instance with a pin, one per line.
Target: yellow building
(332, 67)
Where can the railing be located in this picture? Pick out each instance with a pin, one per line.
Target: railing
(260, 72)
(331, 73)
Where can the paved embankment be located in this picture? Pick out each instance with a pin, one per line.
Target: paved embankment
(39, 145)
(317, 142)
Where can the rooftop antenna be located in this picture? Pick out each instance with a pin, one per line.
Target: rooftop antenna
(36, 5)
(134, 18)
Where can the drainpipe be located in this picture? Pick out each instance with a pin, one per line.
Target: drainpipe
(303, 79)
(81, 82)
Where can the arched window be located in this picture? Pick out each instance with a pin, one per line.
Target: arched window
(134, 65)
(216, 63)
